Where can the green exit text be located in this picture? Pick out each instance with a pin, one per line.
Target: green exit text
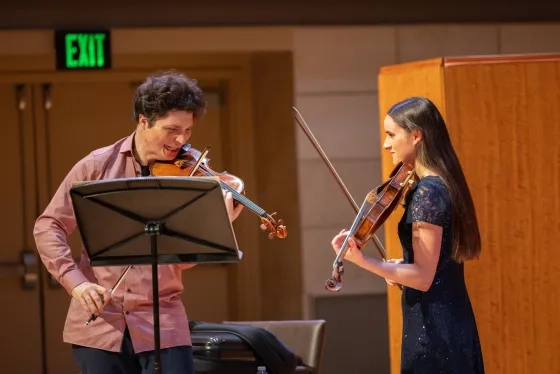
(85, 50)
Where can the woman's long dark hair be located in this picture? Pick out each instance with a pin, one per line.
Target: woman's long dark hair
(436, 153)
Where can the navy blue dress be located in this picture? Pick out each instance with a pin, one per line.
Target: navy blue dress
(439, 329)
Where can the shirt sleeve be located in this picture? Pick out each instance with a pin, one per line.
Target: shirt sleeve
(55, 224)
(429, 204)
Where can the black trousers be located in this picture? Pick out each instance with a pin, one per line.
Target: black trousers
(176, 360)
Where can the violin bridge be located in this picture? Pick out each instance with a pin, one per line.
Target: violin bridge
(181, 164)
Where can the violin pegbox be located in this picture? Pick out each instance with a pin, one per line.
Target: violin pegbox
(276, 229)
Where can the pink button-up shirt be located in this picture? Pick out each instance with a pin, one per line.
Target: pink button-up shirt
(131, 303)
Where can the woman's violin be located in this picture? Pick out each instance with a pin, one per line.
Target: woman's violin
(374, 211)
(376, 208)
(193, 162)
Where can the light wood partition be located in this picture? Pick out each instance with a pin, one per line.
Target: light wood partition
(503, 114)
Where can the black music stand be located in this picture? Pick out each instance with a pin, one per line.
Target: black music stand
(151, 221)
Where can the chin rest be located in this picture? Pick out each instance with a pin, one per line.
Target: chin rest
(284, 347)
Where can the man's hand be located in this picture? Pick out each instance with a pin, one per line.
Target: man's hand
(233, 213)
(92, 296)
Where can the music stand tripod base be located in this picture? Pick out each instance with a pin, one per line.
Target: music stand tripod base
(151, 221)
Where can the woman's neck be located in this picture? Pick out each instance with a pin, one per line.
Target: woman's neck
(422, 171)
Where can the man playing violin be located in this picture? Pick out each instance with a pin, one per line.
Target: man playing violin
(166, 106)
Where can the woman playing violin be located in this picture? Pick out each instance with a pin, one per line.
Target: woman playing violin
(438, 232)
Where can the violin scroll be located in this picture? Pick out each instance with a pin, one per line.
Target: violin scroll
(333, 286)
(277, 229)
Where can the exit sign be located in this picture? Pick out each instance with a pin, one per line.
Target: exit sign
(83, 50)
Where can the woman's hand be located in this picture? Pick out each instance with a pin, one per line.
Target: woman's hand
(393, 261)
(353, 254)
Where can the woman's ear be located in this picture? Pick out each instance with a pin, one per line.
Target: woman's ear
(416, 136)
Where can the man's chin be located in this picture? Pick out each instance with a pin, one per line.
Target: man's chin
(168, 156)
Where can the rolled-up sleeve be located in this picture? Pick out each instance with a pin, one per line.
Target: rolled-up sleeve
(55, 224)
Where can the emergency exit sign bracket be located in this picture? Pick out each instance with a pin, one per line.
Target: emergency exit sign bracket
(83, 49)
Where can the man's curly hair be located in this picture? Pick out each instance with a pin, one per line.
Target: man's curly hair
(165, 92)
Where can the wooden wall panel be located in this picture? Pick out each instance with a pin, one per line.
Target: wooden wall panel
(281, 272)
(506, 129)
(503, 114)
(397, 83)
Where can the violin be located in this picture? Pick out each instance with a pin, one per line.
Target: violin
(374, 211)
(376, 208)
(193, 162)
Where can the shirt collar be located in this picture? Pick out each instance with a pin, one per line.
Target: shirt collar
(126, 146)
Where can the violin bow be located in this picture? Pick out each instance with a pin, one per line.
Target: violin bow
(307, 131)
(200, 160)
(93, 317)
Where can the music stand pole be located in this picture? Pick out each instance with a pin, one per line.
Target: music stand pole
(153, 230)
(185, 219)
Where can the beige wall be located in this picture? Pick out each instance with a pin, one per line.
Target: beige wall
(336, 91)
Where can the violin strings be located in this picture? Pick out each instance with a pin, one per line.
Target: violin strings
(245, 201)
(239, 197)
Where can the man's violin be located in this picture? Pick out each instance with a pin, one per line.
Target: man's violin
(193, 162)
(374, 211)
